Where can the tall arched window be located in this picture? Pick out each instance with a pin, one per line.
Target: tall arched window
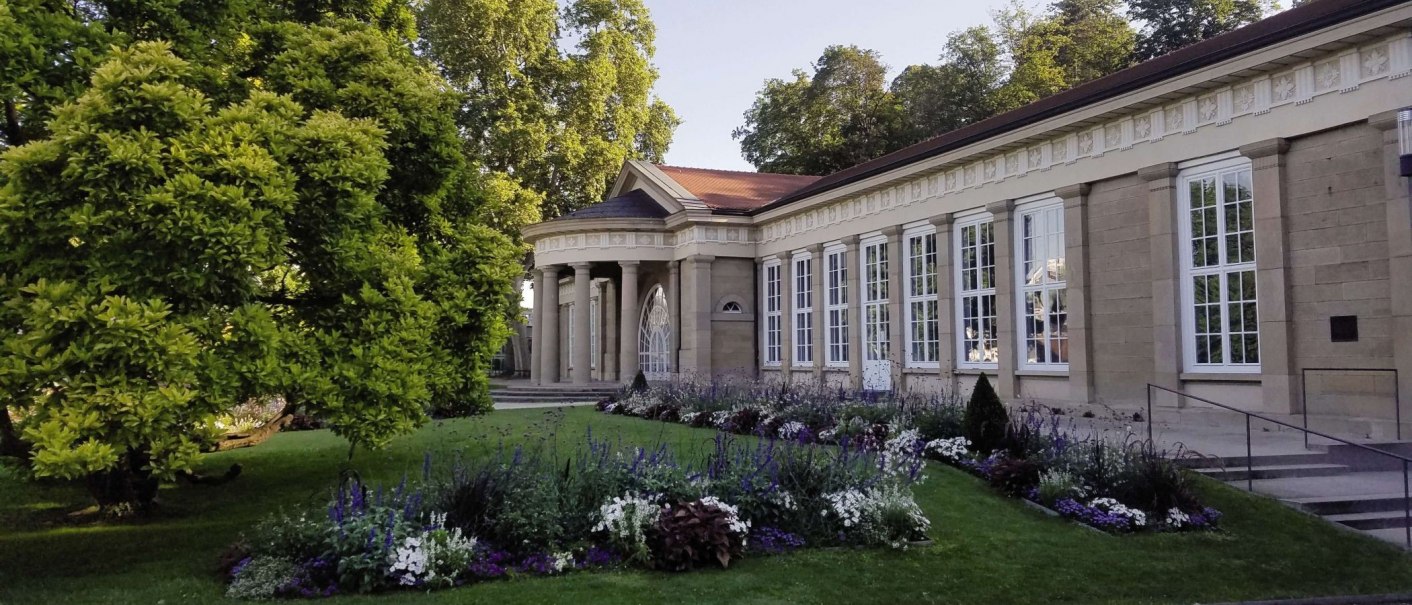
(655, 336)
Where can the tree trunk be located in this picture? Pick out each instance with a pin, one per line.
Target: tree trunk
(127, 489)
(258, 435)
(11, 445)
(13, 135)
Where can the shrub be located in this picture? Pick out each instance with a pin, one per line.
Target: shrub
(985, 419)
(1151, 481)
(1015, 476)
(706, 532)
(261, 578)
(1055, 485)
(639, 383)
(626, 522)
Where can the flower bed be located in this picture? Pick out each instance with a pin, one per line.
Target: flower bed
(528, 513)
(1116, 486)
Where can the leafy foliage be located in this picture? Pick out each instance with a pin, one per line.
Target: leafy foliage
(985, 419)
(695, 534)
(1169, 25)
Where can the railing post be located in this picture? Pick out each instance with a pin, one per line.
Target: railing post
(1249, 460)
(1396, 409)
(1406, 508)
(1149, 413)
(1304, 402)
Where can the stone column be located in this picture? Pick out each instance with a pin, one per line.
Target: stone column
(855, 312)
(1006, 341)
(674, 312)
(1076, 293)
(787, 317)
(1399, 241)
(536, 327)
(896, 330)
(821, 340)
(696, 311)
(1162, 209)
(583, 345)
(945, 301)
(1279, 381)
(628, 325)
(548, 343)
(608, 308)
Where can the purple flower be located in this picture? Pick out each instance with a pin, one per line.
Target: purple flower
(774, 540)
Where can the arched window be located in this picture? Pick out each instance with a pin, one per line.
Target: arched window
(655, 337)
(731, 307)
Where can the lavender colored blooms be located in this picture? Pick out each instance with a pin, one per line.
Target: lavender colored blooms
(773, 540)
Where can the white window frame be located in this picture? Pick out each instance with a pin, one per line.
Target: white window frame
(958, 254)
(875, 293)
(836, 306)
(920, 289)
(1218, 168)
(772, 282)
(802, 272)
(1051, 288)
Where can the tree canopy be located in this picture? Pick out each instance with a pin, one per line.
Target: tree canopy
(843, 111)
(204, 203)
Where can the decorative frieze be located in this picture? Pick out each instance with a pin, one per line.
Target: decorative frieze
(1336, 73)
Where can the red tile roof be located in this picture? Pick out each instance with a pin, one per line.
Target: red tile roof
(728, 190)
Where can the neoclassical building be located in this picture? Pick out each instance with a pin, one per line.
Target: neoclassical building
(1214, 220)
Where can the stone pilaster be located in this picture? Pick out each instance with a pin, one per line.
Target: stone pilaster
(548, 344)
(1076, 263)
(896, 330)
(1279, 380)
(674, 313)
(583, 345)
(945, 300)
(1006, 338)
(855, 313)
(1399, 241)
(628, 361)
(696, 312)
(1162, 209)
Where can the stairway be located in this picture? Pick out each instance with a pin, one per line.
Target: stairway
(1342, 484)
(518, 392)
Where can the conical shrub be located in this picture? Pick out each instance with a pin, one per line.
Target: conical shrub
(985, 419)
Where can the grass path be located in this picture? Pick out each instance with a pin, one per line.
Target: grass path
(987, 549)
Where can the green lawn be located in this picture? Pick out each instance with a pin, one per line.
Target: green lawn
(987, 549)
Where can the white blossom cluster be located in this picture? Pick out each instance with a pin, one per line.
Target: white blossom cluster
(1138, 517)
(690, 417)
(720, 419)
(783, 499)
(419, 558)
(1177, 518)
(950, 450)
(900, 454)
(791, 429)
(737, 525)
(627, 517)
(849, 506)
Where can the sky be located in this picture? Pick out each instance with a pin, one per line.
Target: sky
(713, 55)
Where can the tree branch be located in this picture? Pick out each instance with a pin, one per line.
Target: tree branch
(13, 134)
(11, 445)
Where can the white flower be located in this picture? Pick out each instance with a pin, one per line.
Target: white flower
(720, 419)
(627, 517)
(563, 560)
(950, 450)
(791, 429)
(732, 514)
(690, 417)
(411, 560)
(1177, 518)
(1138, 518)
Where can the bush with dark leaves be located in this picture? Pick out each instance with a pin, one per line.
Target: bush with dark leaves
(689, 535)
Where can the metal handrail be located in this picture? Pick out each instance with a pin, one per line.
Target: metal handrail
(1396, 395)
(1250, 460)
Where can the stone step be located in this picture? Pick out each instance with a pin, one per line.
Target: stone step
(1371, 520)
(1395, 535)
(1216, 462)
(1348, 504)
(532, 398)
(1275, 471)
(545, 390)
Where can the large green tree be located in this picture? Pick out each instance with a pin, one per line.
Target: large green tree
(1168, 25)
(815, 123)
(306, 224)
(554, 120)
(957, 91)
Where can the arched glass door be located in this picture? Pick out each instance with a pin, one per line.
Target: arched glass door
(655, 337)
